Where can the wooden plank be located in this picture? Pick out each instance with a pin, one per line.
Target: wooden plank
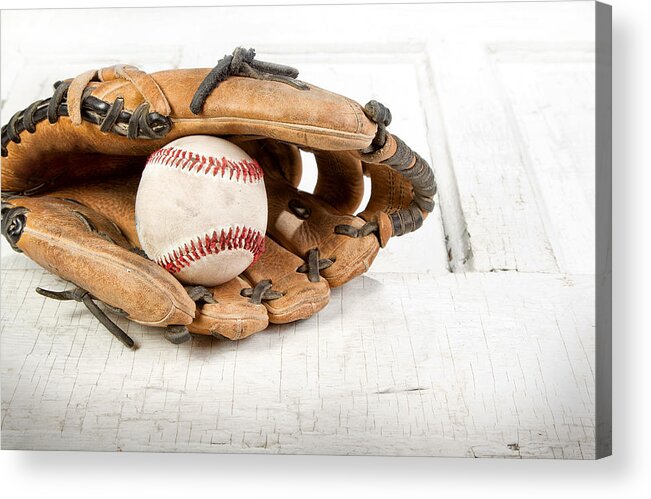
(557, 142)
(477, 364)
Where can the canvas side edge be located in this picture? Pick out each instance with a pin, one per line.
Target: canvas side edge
(603, 243)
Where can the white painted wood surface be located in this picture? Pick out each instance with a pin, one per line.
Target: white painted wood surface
(471, 337)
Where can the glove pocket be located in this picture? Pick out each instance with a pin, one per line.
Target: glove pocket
(82, 246)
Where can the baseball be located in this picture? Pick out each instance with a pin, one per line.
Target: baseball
(201, 209)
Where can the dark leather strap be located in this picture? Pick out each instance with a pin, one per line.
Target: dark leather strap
(389, 150)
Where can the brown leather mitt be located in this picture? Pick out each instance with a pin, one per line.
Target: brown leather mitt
(71, 165)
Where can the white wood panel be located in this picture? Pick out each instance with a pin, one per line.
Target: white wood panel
(504, 226)
(520, 133)
(499, 365)
(411, 359)
(557, 143)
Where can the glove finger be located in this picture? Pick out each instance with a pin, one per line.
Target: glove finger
(84, 247)
(302, 223)
(340, 182)
(233, 315)
(287, 294)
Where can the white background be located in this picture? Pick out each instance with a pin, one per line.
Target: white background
(110, 474)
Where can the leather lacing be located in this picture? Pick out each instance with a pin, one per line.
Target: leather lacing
(381, 116)
(242, 63)
(314, 265)
(363, 231)
(199, 294)
(81, 295)
(142, 124)
(261, 291)
(411, 166)
(111, 117)
(14, 219)
(176, 334)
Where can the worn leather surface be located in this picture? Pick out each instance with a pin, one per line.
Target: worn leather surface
(82, 246)
(75, 168)
(232, 316)
(312, 118)
(301, 298)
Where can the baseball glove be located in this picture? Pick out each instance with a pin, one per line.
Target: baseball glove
(71, 166)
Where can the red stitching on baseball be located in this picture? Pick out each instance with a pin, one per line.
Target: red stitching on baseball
(244, 238)
(244, 170)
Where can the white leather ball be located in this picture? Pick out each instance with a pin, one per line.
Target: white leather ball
(201, 209)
